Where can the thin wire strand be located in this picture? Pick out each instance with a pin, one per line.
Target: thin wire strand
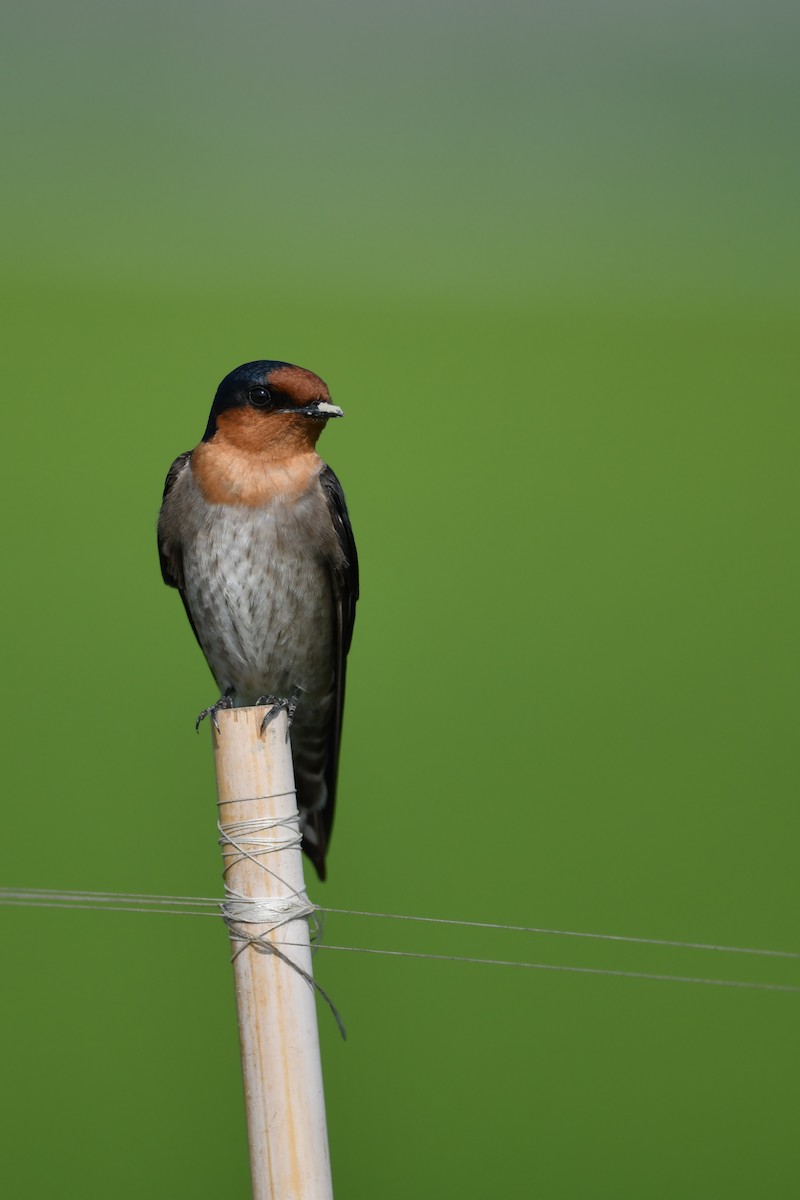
(42, 898)
(50, 894)
(133, 908)
(537, 966)
(122, 897)
(574, 933)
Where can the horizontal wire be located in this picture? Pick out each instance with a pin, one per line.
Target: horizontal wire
(52, 894)
(6, 902)
(574, 933)
(21, 894)
(537, 966)
(168, 905)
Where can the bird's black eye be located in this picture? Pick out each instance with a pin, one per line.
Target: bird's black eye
(260, 397)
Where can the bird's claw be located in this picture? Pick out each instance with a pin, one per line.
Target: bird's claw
(225, 701)
(279, 702)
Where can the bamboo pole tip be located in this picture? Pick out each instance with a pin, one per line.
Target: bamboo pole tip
(247, 724)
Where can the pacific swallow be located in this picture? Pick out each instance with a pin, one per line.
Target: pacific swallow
(255, 535)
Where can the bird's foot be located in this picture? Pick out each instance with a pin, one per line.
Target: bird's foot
(279, 702)
(225, 701)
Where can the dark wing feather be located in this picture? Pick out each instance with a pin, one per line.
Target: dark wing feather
(169, 553)
(169, 550)
(344, 581)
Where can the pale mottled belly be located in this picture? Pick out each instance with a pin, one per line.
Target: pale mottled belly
(258, 588)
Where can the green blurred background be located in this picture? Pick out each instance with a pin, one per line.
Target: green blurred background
(546, 257)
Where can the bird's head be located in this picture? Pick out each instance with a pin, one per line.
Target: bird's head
(262, 405)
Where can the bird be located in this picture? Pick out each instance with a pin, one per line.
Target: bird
(254, 533)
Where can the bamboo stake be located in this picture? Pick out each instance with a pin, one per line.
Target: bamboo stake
(284, 1098)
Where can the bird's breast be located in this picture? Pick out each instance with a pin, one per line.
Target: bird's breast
(257, 583)
(226, 474)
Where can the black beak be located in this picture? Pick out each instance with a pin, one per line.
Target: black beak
(320, 410)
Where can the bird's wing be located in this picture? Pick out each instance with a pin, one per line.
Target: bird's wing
(344, 581)
(169, 546)
(170, 550)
